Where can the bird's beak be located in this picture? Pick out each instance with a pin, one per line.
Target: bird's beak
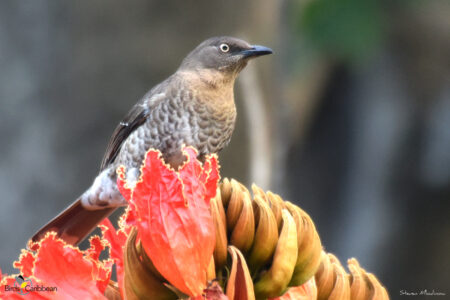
(256, 50)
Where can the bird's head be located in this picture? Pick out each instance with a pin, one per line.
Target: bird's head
(224, 55)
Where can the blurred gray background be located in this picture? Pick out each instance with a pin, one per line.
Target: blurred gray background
(350, 118)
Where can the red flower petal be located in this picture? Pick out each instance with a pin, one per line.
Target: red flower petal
(25, 264)
(211, 177)
(75, 274)
(125, 190)
(97, 246)
(93, 253)
(173, 218)
(117, 240)
(65, 267)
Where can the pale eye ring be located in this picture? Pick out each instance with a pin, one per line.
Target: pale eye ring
(224, 47)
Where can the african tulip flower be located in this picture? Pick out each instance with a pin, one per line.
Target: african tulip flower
(52, 263)
(172, 214)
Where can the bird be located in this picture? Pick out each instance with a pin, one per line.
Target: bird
(194, 106)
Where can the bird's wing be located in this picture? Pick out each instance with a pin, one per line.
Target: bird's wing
(135, 118)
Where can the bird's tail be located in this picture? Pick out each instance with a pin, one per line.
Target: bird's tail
(74, 223)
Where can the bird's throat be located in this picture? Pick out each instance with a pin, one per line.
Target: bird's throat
(212, 87)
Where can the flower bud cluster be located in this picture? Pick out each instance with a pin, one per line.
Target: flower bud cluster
(334, 283)
(278, 240)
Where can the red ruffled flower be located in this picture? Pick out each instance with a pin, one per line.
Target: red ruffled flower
(171, 210)
(76, 274)
(117, 240)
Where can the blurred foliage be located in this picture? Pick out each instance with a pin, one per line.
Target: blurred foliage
(345, 29)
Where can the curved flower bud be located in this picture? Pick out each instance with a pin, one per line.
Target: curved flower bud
(364, 285)
(266, 236)
(309, 246)
(234, 204)
(225, 191)
(244, 229)
(218, 214)
(258, 192)
(325, 277)
(277, 205)
(240, 285)
(275, 281)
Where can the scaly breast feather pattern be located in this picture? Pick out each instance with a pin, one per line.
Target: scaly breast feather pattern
(180, 116)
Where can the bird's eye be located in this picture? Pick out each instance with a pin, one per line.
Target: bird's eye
(224, 47)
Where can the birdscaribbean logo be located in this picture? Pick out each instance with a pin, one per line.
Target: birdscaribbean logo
(24, 285)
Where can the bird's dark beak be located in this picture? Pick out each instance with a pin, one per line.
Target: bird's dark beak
(256, 50)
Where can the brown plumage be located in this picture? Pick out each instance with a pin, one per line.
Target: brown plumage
(193, 107)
